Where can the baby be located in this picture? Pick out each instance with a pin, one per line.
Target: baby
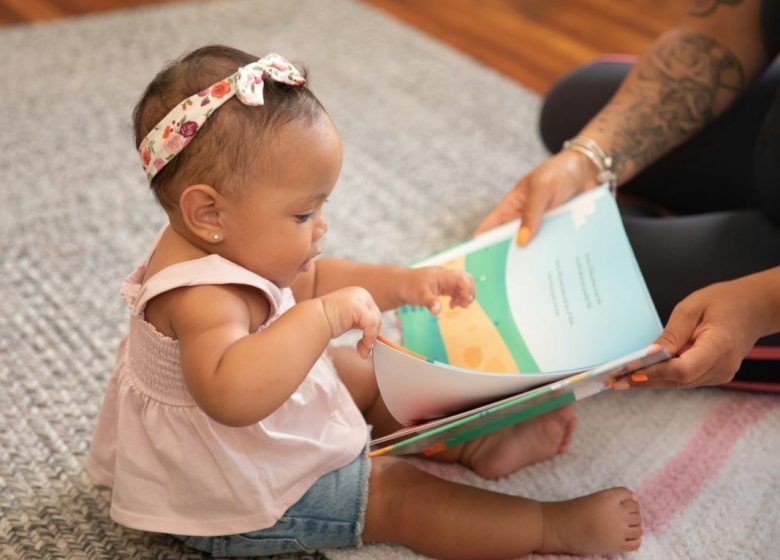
(228, 421)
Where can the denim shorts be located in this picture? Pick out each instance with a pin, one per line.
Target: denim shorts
(331, 514)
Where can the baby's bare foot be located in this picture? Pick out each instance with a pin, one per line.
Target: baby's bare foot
(607, 522)
(503, 452)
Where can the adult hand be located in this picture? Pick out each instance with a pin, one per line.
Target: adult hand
(551, 183)
(719, 325)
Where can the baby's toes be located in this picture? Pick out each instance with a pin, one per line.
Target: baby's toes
(632, 544)
(625, 498)
(633, 532)
(571, 425)
(629, 504)
(567, 413)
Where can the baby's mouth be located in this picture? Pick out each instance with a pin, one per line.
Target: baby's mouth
(307, 263)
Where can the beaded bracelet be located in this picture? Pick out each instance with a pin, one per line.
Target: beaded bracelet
(603, 162)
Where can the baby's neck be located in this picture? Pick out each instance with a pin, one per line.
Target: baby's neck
(172, 248)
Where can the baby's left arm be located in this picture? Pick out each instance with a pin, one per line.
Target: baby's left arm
(390, 286)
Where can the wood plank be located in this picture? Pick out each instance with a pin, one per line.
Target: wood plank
(35, 10)
(82, 7)
(510, 44)
(9, 16)
(532, 41)
(537, 41)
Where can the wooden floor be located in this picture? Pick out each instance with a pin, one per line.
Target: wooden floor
(537, 41)
(532, 41)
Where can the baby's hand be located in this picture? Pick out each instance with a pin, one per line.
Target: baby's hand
(353, 308)
(423, 286)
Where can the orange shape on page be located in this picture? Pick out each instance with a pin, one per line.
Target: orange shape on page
(470, 338)
(473, 356)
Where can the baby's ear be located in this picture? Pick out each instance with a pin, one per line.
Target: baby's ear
(201, 211)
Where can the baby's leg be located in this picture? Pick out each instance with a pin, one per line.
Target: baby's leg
(504, 451)
(491, 456)
(358, 376)
(448, 520)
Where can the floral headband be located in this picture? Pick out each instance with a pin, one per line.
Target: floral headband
(179, 126)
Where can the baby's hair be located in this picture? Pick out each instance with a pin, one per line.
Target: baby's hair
(226, 149)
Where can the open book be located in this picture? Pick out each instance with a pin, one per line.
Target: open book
(553, 322)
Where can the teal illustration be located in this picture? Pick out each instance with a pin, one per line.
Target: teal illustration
(571, 299)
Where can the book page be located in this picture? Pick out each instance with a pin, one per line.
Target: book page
(571, 299)
(442, 433)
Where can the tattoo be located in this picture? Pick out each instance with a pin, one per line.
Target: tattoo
(704, 8)
(681, 85)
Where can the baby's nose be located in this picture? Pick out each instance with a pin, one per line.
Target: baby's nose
(321, 229)
(323, 226)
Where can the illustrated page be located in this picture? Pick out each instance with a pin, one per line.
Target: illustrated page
(571, 299)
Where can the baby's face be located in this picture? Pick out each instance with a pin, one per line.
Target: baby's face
(275, 225)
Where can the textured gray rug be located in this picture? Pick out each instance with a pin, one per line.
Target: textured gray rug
(432, 140)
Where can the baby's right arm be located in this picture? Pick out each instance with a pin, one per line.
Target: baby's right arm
(239, 377)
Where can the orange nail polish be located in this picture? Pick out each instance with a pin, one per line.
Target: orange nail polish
(434, 449)
(522, 236)
(620, 385)
(639, 377)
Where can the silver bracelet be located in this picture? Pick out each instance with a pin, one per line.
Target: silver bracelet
(603, 162)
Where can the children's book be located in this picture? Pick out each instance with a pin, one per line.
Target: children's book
(553, 322)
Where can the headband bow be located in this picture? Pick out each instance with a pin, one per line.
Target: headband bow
(179, 126)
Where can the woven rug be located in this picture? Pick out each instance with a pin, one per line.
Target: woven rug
(432, 140)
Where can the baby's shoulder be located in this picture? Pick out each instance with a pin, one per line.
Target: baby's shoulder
(206, 306)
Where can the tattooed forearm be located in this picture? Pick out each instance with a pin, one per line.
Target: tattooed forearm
(683, 84)
(704, 8)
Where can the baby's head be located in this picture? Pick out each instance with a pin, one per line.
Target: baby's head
(235, 159)
(225, 149)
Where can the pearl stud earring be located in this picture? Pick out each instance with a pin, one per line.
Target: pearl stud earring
(215, 236)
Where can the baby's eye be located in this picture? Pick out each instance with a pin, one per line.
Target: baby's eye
(302, 218)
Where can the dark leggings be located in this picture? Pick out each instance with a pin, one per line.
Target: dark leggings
(726, 200)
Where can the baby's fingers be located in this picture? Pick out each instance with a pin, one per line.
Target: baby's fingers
(458, 285)
(430, 299)
(371, 323)
(363, 348)
(464, 292)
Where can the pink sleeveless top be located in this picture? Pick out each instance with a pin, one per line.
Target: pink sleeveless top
(175, 470)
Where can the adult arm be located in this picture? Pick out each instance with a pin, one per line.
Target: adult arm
(687, 78)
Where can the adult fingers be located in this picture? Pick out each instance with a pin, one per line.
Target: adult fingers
(679, 330)
(537, 200)
(678, 333)
(706, 362)
(628, 382)
(661, 376)
(507, 210)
